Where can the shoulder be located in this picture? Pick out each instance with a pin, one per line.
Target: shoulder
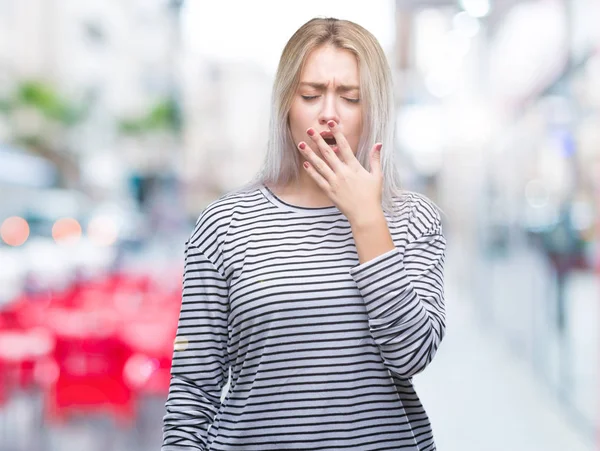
(418, 213)
(214, 220)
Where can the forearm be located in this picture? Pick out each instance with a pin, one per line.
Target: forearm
(371, 236)
(405, 307)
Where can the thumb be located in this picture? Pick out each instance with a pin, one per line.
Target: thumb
(376, 159)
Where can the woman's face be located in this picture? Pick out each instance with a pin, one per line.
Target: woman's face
(328, 90)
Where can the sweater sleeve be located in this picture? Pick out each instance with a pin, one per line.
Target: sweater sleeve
(200, 360)
(404, 296)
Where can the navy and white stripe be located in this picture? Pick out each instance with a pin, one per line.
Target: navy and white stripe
(321, 349)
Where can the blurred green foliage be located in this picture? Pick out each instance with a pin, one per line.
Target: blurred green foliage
(44, 98)
(163, 116)
(59, 115)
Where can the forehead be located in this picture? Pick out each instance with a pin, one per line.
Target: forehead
(328, 63)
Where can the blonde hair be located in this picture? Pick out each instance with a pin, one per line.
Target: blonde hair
(282, 162)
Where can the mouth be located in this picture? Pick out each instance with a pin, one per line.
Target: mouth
(329, 138)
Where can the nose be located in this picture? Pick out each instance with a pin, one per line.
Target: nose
(328, 111)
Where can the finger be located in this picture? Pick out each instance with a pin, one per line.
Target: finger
(376, 159)
(345, 151)
(328, 154)
(317, 177)
(315, 161)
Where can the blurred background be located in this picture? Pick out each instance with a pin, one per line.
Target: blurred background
(120, 120)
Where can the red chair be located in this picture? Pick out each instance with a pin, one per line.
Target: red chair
(90, 361)
(150, 337)
(23, 344)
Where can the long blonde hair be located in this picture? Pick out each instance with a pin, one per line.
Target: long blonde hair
(282, 162)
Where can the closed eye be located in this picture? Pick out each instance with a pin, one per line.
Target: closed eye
(348, 99)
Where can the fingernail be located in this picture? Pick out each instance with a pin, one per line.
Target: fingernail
(378, 146)
(302, 146)
(331, 124)
(310, 132)
(306, 164)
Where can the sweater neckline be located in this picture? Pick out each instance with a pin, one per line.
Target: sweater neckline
(281, 204)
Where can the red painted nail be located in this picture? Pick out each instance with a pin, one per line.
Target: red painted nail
(306, 164)
(378, 146)
(302, 145)
(310, 132)
(331, 124)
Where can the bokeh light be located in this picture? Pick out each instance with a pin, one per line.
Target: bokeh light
(14, 231)
(66, 230)
(102, 231)
(476, 8)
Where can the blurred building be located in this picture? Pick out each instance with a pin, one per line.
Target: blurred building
(226, 106)
(114, 59)
(498, 120)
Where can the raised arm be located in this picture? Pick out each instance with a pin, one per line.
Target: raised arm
(404, 295)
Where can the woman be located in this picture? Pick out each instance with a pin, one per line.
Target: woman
(318, 287)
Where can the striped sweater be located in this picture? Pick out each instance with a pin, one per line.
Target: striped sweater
(319, 350)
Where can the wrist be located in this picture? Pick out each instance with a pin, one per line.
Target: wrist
(371, 235)
(367, 219)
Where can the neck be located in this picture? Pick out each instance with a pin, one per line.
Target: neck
(306, 185)
(303, 191)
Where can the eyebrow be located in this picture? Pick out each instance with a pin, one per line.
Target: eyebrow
(323, 86)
